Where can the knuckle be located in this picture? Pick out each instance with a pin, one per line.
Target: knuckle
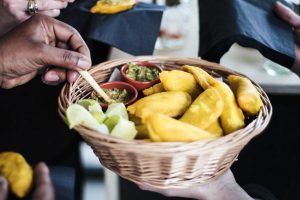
(56, 12)
(40, 51)
(72, 30)
(68, 57)
(64, 4)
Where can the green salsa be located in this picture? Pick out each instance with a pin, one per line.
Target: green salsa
(119, 95)
(141, 73)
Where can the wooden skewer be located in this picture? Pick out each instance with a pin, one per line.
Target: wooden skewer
(86, 75)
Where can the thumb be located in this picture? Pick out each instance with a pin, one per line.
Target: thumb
(3, 188)
(287, 14)
(64, 58)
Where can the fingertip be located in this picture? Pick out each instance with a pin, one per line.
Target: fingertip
(278, 5)
(52, 83)
(42, 174)
(286, 14)
(41, 167)
(3, 187)
(141, 186)
(3, 182)
(65, 4)
(72, 76)
(55, 76)
(84, 63)
(51, 77)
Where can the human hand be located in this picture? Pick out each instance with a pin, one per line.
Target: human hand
(290, 17)
(225, 188)
(13, 12)
(3, 188)
(43, 185)
(36, 43)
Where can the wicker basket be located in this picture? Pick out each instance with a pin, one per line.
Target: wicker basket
(165, 165)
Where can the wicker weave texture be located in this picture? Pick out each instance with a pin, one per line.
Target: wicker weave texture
(165, 165)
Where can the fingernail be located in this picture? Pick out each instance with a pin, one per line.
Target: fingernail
(52, 77)
(83, 63)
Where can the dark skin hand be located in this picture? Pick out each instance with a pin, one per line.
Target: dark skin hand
(43, 185)
(37, 43)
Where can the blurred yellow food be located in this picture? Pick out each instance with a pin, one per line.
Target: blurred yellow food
(142, 131)
(17, 171)
(247, 96)
(215, 128)
(232, 117)
(162, 128)
(112, 6)
(136, 120)
(177, 80)
(154, 89)
(205, 110)
(173, 104)
(201, 78)
(140, 127)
